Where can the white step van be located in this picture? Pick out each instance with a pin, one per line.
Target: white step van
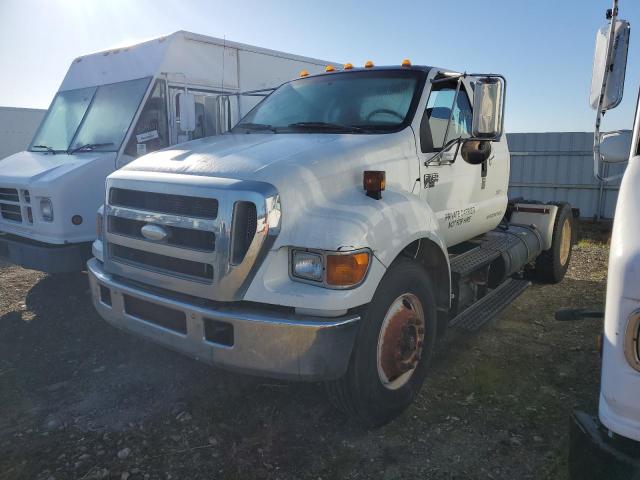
(111, 108)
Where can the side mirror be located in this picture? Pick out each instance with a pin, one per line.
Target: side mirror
(475, 152)
(615, 147)
(187, 111)
(488, 108)
(610, 69)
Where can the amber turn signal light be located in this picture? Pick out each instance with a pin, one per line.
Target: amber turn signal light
(346, 270)
(374, 182)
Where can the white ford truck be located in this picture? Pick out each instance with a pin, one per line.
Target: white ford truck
(608, 446)
(331, 235)
(112, 107)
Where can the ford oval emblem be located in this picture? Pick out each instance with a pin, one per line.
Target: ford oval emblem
(154, 233)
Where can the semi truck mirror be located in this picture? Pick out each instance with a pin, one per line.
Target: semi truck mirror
(475, 152)
(488, 101)
(609, 65)
(615, 147)
(187, 111)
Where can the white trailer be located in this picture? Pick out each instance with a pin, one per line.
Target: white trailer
(608, 447)
(17, 126)
(111, 108)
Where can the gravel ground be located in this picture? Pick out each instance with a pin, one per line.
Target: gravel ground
(81, 400)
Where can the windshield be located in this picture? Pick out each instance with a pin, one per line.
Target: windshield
(98, 116)
(376, 101)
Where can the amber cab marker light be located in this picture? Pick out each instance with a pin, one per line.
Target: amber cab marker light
(329, 68)
(406, 62)
(304, 73)
(348, 66)
(369, 64)
(374, 182)
(346, 270)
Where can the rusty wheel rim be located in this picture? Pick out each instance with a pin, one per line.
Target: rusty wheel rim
(565, 242)
(400, 341)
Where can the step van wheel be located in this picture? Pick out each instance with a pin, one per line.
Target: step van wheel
(552, 264)
(393, 347)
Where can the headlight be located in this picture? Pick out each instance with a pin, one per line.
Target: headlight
(331, 269)
(307, 265)
(46, 209)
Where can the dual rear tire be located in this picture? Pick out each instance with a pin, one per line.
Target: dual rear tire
(552, 264)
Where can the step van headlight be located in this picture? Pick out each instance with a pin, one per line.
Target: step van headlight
(46, 209)
(330, 269)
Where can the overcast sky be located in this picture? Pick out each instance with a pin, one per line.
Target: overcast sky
(543, 47)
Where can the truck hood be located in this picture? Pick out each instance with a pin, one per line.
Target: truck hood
(29, 168)
(279, 158)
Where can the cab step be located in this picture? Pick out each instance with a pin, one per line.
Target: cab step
(486, 252)
(489, 306)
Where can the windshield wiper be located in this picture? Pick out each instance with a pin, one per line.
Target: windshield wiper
(256, 126)
(88, 147)
(46, 147)
(328, 126)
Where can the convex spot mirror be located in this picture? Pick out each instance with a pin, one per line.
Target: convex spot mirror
(615, 68)
(187, 111)
(475, 152)
(615, 147)
(488, 101)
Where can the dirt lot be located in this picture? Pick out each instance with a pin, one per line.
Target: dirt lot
(81, 400)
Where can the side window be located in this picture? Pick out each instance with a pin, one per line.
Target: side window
(151, 132)
(439, 110)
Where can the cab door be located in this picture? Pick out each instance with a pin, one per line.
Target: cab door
(455, 190)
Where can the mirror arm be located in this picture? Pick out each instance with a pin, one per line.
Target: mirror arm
(444, 148)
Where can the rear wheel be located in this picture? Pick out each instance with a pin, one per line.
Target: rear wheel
(393, 347)
(552, 264)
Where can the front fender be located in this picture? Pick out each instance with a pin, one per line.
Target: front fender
(322, 220)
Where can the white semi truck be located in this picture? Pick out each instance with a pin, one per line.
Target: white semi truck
(111, 108)
(608, 447)
(332, 235)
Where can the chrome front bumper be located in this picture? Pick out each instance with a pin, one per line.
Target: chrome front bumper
(265, 341)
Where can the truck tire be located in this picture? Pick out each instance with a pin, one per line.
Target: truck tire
(393, 347)
(552, 264)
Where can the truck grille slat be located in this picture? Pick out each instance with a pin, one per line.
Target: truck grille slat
(11, 212)
(162, 263)
(180, 237)
(198, 207)
(9, 195)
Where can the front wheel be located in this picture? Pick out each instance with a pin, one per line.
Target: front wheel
(393, 347)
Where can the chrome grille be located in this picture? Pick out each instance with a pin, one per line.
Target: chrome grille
(163, 263)
(178, 236)
(207, 221)
(165, 203)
